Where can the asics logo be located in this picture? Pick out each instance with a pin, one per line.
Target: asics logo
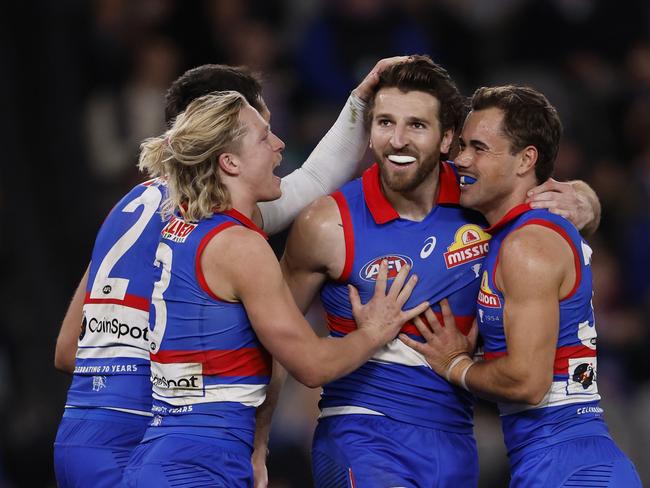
(429, 246)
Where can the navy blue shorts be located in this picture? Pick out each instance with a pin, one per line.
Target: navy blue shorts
(587, 461)
(93, 446)
(189, 462)
(367, 451)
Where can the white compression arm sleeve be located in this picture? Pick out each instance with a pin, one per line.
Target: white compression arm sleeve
(333, 162)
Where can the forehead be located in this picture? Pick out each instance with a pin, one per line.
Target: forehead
(252, 119)
(484, 124)
(416, 104)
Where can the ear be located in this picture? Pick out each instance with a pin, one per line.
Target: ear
(229, 163)
(527, 160)
(447, 139)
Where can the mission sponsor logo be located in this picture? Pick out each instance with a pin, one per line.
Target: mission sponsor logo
(470, 243)
(486, 296)
(177, 230)
(370, 270)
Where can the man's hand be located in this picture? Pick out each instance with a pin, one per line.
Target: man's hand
(575, 201)
(260, 473)
(366, 88)
(444, 343)
(382, 317)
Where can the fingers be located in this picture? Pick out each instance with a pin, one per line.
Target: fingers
(412, 313)
(447, 314)
(423, 328)
(382, 279)
(418, 346)
(399, 280)
(549, 185)
(405, 292)
(355, 300)
(472, 335)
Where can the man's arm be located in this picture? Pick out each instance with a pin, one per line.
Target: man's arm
(333, 162)
(574, 200)
(250, 273)
(536, 270)
(315, 250)
(66, 342)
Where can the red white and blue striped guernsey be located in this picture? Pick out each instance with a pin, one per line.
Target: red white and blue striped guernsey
(571, 408)
(209, 372)
(445, 250)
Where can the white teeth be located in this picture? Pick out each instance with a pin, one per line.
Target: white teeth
(401, 159)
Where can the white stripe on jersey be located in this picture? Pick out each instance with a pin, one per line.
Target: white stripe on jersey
(396, 352)
(112, 352)
(249, 395)
(347, 410)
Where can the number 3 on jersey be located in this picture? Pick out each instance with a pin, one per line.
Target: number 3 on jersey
(164, 259)
(105, 286)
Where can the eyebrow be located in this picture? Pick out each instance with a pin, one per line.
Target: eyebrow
(474, 143)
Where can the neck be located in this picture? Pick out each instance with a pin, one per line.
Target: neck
(503, 206)
(417, 203)
(245, 206)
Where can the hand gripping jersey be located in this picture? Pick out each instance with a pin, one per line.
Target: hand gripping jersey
(445, 250)
(112, 363)
(570, 408)
(208, 369)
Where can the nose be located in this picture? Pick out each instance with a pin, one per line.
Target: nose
(462, 159)
(277, 143)
(398, 138)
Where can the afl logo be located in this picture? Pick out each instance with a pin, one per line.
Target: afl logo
(396, 262)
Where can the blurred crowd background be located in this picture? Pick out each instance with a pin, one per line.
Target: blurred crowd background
(83, 82)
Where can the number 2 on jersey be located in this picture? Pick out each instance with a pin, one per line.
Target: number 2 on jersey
(105, 286)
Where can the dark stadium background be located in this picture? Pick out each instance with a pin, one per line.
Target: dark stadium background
(82, 82)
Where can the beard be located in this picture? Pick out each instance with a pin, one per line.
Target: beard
(405, 182)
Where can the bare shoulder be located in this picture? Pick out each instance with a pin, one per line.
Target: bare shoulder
(531, 257)
(316, 241)
(320, 219)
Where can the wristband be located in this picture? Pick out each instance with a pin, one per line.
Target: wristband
(464, 374)
(453, 364)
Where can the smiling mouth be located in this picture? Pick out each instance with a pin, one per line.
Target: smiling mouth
(400, 159)
(466, 180)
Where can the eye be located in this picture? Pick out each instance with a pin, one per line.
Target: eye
(383, 122)
(418, 125)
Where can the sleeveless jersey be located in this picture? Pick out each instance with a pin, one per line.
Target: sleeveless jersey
(112, 361)
(208, 370)
(445, 250)
(570, 408)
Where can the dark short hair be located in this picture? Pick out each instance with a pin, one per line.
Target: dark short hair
(529, 119)
(420, 73)
(209, 78)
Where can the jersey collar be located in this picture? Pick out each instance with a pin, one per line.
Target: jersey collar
(245, 221)
(383, 211)
(511, 215)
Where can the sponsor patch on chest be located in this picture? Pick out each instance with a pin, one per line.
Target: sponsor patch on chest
(470, 243)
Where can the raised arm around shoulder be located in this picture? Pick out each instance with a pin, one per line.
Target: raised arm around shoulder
(335, 161)
(238, 264)
(536, 270)
(573, 200)
(315, 250)
(66, 342)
